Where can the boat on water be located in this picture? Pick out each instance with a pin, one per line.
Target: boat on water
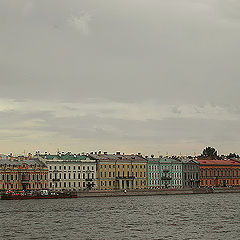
(43, 194)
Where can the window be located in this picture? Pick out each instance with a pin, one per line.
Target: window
(69, 176)
(69, 167)
(69, 184)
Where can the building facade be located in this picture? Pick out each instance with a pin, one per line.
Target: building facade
(164, 173)
(219, 173)
(191, 173)
(69, 171)
(119, 171)
(29, 174)
(154, 173)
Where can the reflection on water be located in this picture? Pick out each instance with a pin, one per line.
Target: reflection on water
(213, 216)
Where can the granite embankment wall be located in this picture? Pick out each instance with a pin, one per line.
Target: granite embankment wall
(151, 192)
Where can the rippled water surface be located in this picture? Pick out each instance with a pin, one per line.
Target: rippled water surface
(215, 216)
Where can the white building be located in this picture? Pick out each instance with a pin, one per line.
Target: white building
(70, 171)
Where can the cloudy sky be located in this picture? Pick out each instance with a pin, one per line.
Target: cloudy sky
(150, 76)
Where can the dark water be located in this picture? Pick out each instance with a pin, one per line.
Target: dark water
(153, 217)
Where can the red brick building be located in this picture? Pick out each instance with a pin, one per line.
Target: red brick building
(219, 173)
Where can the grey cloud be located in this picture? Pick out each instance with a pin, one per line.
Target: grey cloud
(172, 53)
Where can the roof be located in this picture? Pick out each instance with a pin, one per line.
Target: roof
(73, 157)
(218, 162)
(33, 161)
(189, 160)
(119, 157)
(166, 160)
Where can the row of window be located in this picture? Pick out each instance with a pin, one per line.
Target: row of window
(220, 182)
(122, 174)
(157, 175)
(127, 183)
(219, 173)
(159, 183)
(60, 167)
(71, 176)
(128, 166)
(191, 176)
(12, 177)
(157, 167)
(67, 185)
(16, 186)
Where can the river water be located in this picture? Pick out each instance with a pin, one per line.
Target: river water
(213, 216)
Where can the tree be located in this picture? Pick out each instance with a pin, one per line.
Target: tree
(232, 155)
(210, 152)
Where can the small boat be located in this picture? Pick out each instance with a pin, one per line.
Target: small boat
(44, 194)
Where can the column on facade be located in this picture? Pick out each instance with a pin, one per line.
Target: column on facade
(134, 183)
(130, 184)
(120, 184)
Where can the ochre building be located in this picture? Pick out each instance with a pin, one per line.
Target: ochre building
(120, 171)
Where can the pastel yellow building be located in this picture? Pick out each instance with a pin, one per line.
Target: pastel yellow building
(120, 171)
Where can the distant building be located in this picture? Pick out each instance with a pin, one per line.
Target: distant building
(119, 171)
(191, 173)
(219, 172)
(164, 173)
(69, 171)
(23, 175)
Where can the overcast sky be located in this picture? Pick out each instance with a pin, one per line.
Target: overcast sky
(150, 76)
